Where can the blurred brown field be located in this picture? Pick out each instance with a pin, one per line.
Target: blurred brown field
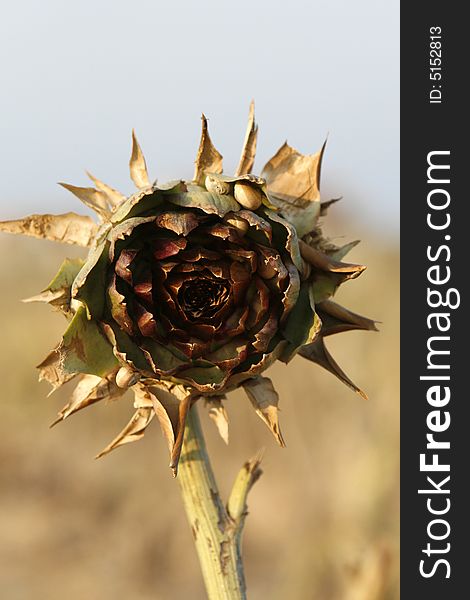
(323, 522)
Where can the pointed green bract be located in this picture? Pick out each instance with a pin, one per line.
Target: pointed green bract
(90, 284)
(228, 351)
(58, 292)
(318, 353)
(324, 286)
(66, 274)
(337, 319)
(125, 350)
(197, 197)
(287, 237)
(341, 252)
(137, 204)
(84, 349)
(302, 324)
(161, 357)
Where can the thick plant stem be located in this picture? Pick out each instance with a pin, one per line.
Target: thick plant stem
(216, 529)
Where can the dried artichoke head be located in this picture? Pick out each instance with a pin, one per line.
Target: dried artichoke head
(194, 288)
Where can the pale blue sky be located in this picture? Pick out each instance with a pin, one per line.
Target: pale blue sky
(76, 77)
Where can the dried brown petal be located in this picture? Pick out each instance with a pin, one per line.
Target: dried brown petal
(46, 296)
(293, 176)
(89, 390)
(293, 182)
(265, 400)
(219, 415)
(144, 291)
(235, 221)
(92, 198)
(114, 197)
(221, 230)
(247, 158)
(240, 277)
(123, 263)
(208, 159)
(181, 223)
(51, 370)
(68, 228)
(264, 336)
(235, 323)
(255, 221)
(132, 432)
(137, 165)
(271, 265)
(196, 254)
(163, 248)
(118, 306)
(145, 320)
(291, 293)
(259, 304)
(171, 408)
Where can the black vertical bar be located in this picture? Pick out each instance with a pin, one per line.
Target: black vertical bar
(433, 119)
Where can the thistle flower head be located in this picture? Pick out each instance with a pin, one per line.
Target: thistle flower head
(194, 288)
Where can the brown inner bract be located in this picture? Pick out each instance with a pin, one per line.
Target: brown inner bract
(202, 297)
(212, 295)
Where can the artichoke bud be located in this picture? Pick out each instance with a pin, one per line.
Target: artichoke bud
(126, 378)
(192, 289)
(247, 195)
(216, 185)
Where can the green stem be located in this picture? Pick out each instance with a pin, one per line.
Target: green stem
(216, 529)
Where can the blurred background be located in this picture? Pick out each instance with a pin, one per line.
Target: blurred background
(323, 521)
